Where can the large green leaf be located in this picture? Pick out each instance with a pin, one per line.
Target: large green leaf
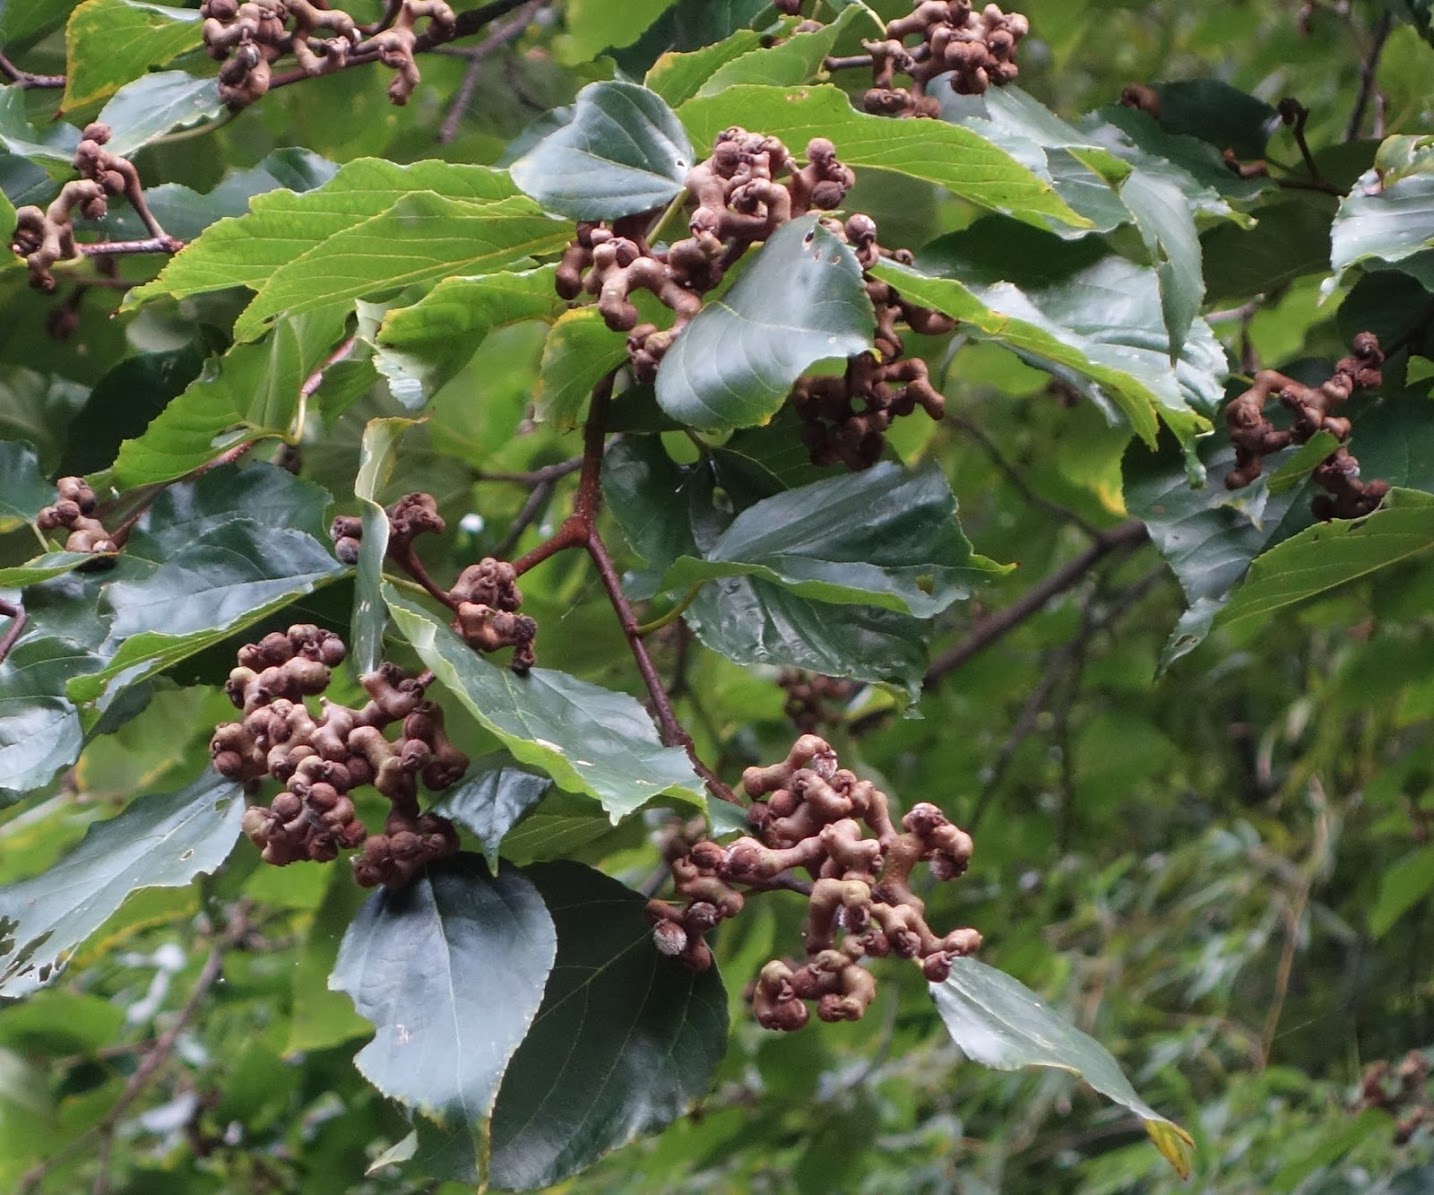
(40, 729)
(1168, 228)
(23, 489)
(622, 153)
(1329, 555)
(1388, 215)
(959, 159)
(146, 109)
(792, 60)
(678, 76)
(421, 348)
(625, 1042)
(999, 1022)
(110, 42)
(450, 971)
(54, 147)
(802, 301)
(883, 537)
(490, 800)
(579, 350)
(282, 225)
(158, 841)
(42, 568)
(249, 393)
(421, 238)
(596, 25)
(589, 739)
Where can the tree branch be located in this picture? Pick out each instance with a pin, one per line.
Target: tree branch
(25, 78)
(1368, 70)
(499, 36)
(995, 626)
(15, 611)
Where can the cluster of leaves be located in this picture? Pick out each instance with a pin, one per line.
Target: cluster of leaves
(377, 328)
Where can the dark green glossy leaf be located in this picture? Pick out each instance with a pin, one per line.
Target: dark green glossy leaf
(802, 301)
(1290, 241)
(1213, 111)
(1389, 214)
(22, 21)
(596, 25)
(1394, 441)
(54, 147)
(145, 110)
(23, 489)
(42, 568)
(623, 152)
(958, 159)
(422, 347)
(883, 537)
(590, 740)
(251, 392)
(1168, 229)
(281, 225)
(999, 1022)
(377, 458)
(159, 841)
(40, 730)
(421, 238)
(626, 1039)
(579, 351)
(1329, 555)
(490, 800)
(450, 971)
(110, 42)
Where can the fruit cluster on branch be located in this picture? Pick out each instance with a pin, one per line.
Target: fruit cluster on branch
(810, 814)
(747, 189)
(322, 759)
(1311, 411)
(44, 236)
(1402, 1089)
(74, 511)
(976, 50)
(250, 36)
(814, 700)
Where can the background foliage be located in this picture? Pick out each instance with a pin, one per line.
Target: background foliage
(1213, 856)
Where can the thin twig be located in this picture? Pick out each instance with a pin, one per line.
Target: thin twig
(26, 78)
(164, 244)
(1368, 70)
(15, 611)
(500, 35)
(547, 473)
(995, 626)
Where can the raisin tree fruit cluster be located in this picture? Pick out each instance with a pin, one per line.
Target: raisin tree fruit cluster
(1402, 1089)
(814, 700)
(812, 815)
(738, 197)
(74, 511)
(1311, 411)
(250, 36)
(976, 49)
(321, 760)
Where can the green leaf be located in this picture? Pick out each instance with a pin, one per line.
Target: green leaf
(490, 800)
(1389, 214)
(158, 841)
(40, 730)
(625, 1042)
(1295, 470)
(1168, 228)
(590, 740)
(883, 537)
(55, 146)
(1290, 241)
(1329, 555)
(579, 351)
(42, 568)
(1000, 1023)
(677, 77)
(596, 25)
(23, 21)
(421, 348)
(450, 971)
(321, 1018)
(793, 60)
(801, 301)
(962, 161)
(622, 153)
(145, 110)
(1401, 887)
(282, 225)
(1137, 376)
(377, 457)
(23, 489)
(421, 238)
(249, 393)
(110, 42)
(1213, 111)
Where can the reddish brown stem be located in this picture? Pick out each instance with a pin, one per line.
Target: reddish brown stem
(25, 78)
(159, 244)
(407, 559)
(14, 611)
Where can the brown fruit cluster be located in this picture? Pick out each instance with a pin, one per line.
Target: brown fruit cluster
(44, 236)
(485, 598)
(814, 700)
(1311, 411)
(1403, 1090)
(74, 511)
(977, 50)
(250, 36)
(844, 419)
(321, 760)
(743, 193)
(811, 814)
